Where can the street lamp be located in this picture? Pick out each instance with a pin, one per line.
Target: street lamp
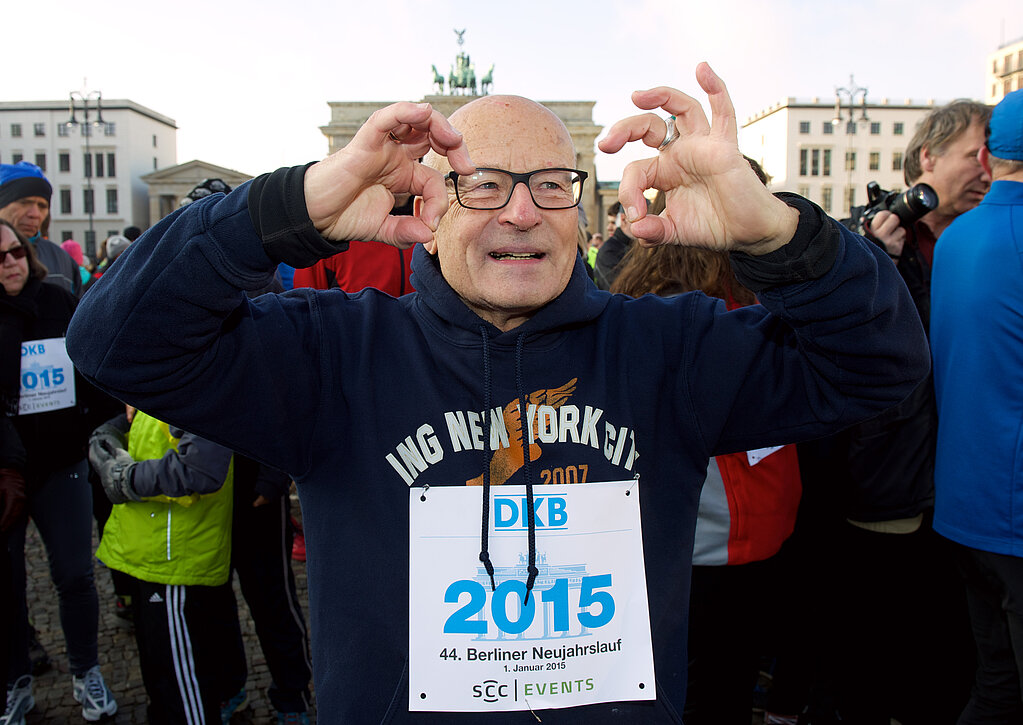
(850, 94)
(85, 97)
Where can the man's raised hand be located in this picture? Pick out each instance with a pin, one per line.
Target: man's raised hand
(349, 195)
(713, 199)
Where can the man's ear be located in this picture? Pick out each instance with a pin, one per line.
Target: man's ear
(417, 210)
(984, 157)
(927, 159)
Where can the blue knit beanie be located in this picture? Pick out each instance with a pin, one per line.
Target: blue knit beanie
(20, 180)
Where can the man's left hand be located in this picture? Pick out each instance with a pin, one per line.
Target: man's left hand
(713, 199)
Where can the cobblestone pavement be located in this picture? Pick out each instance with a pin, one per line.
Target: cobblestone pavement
(118, 656)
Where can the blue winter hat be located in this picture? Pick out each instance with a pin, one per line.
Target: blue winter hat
(20, 180)
(1006, 126)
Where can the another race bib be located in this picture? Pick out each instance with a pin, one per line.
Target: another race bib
(47, 376)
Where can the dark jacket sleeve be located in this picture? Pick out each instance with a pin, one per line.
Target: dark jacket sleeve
(197, 466)
(196, 266)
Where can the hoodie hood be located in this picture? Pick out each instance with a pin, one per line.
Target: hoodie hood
(580, 302)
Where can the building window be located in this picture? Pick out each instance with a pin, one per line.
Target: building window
(875, 128)
(112, 233)
(827, 163)
(16, 157)
(86, 129)
(65, 201)
(109, 129)
(154, 163)
(827, 128)
(804, 155)
(39, 129)
(99, 165)
(1007, 86)
(87, 200)
(875, 160)
(850, 197)
(850, 128)
(111, 165)
(88, 165)
(815, 162)
(41, 162)
(90, 239)
(897, 161)
(897, 128)
(850, 161)
(63, 130)
(804, 127)
(15, 130)
(111, 201)
(1008, 63)
(803, 190)
(826, 199)
(66, 234)
(154, 143)
(64, 161)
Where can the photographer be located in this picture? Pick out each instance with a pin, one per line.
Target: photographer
(942, 154)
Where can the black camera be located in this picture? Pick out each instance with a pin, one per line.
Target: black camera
(908, 206)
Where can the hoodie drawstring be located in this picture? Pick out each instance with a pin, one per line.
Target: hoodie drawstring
(527, 463)
(527, 468)
(484, 537)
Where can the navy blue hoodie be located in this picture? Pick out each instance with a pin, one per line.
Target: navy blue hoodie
(330, 386)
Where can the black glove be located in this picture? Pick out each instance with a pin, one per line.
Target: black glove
(112, 463)
(12, 497)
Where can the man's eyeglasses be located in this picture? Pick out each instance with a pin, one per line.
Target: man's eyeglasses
(487, 189)
(16, 252)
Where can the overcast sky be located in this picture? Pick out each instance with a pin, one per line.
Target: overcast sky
(248, 82)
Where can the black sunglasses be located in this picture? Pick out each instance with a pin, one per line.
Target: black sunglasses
(16, 252)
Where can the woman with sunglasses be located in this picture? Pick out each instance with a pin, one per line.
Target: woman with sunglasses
(53, 410)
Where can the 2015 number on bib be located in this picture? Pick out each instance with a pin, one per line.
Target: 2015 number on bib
(461, 622)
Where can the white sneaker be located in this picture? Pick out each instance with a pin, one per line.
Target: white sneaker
(96, 698)
(19, 701)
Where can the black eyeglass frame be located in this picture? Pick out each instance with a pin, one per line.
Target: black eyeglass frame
(516, 180)
(14, 252)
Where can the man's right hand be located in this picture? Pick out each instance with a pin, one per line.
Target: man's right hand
(886, 228)
(349, 195)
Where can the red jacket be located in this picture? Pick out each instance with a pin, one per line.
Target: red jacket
(365, 264)
(747, 506)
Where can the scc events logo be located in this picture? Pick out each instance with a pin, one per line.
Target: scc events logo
(491, 691)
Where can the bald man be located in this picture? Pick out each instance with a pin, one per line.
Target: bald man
(500, 473)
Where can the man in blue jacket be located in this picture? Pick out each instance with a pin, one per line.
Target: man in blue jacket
(433, 600)
(977, 341)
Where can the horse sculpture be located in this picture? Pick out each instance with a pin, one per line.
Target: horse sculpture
(438, 80)
(487, 81)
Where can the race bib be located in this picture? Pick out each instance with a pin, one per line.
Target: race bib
(582, 638)
(47, 376)
(758, 454)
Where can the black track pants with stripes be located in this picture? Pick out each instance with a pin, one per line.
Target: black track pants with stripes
(189, 643)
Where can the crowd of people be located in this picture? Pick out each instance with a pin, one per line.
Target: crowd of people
(774, 480)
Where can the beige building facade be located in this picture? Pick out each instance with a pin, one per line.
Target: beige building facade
(1004, 71)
